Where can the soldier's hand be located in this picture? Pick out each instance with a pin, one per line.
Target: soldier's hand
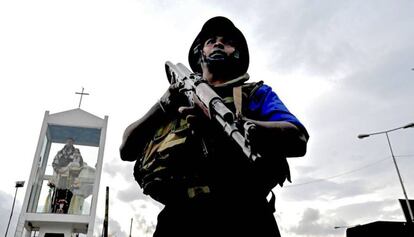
(196, 118)
(250, 131)
(173, 98)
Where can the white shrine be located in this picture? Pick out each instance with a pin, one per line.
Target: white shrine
(62, 191)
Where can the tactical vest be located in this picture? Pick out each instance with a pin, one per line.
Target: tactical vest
(177, 164)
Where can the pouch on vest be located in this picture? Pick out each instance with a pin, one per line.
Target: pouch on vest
(167, 162)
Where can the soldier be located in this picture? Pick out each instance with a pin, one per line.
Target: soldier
(186, 162)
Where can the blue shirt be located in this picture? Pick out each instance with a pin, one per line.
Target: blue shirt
(265, 105)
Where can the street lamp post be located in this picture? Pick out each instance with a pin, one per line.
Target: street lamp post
(18, 185)
(346, 227)
(340, 227)
(410, 125)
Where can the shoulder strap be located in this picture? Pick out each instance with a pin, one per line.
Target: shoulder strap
(246, 90)
(237, 97)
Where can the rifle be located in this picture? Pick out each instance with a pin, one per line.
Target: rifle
(212, 105)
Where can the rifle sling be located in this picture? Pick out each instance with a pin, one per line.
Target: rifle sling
(237, 97)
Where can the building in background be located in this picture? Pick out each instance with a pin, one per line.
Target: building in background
(380, 229)
(386, 228)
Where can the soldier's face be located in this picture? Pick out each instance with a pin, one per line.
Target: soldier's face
(218, 46)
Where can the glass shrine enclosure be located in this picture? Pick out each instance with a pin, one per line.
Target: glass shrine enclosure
(61, 195)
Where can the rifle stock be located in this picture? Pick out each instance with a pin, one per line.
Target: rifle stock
(211, 103)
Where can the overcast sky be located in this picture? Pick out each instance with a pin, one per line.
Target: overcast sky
(342, 67)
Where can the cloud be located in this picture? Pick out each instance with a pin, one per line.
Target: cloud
(317, 223)
(329, 37)
(328, 190)
(114, 228)
(145, 209)
(312, 223)
(116, 167)
(387, 209)
(144, 224)
(134, 193)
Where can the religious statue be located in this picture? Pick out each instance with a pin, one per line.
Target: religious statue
(67, 166)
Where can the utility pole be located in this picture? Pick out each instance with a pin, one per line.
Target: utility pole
(130, 228)
(105, 227)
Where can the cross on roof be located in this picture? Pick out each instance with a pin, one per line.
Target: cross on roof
(81, 95)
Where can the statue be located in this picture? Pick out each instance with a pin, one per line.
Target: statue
(67, 166)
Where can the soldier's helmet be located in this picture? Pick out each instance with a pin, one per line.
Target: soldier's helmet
(219, 26)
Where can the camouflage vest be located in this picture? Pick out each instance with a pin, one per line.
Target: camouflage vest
(174, 165)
